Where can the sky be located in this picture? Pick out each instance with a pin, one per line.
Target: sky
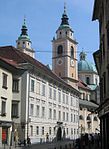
(43, 19)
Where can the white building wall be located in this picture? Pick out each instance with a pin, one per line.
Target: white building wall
(46, 122)
(6, 95)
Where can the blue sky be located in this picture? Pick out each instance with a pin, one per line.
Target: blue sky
(43, 18)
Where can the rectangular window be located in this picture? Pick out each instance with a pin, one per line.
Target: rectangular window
(59, 116)
(32, 85)
(67, 99)
(31, 130)
(54, 115)
(31, 109)
(37, 110)
(71, 131)
(42, 130)
(63, 98)
(43, 89)
(71, 117)
(88, 80)
(67, 116)
(3, 107)
(37, 130)
(49, 130)
(71, 101)
(67, 131)
(43, 112)
(38, 87)
(50, 92)
(4, 85)
(63, 116)
(59, 96)
(15, 86)
(14, 112)
(50, 113)
(54, 95)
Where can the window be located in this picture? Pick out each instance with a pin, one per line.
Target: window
(59, 96)
(42, 130)
(4, 85)
(54, 115)
(54, 95)
(31, 109)
(67, 116)
(96, 81)
(71, 101)
(60, 49)
(63, 116)
(71, 117)
(49, 130)
(95, 118)
(14, 111)
(87, 80)
(84, 97)
(50, 92)
(59, 115)
(63, 98)
(43, 89)
(37, 110)
(31, 130)
(81, 117)
(67, 131)
(15, 86)
(72, 52)
(43, 112)
(38, 88)
(67, 99)
(71, 131)
(74, 118)
(50, 113)
(32, 85)
(3, 107)
(54, 130)
(37, 130)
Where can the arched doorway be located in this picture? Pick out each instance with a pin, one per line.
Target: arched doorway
(59, 134)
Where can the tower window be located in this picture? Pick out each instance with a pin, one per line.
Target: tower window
(66, 33)
(23, 42)
(18, 43)
(28, 43)
(60, 33)
(87, 80)
(59, 74)
(72, 52)
(60, 49)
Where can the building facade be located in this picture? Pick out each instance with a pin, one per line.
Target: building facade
(89, 88)
(101, 14)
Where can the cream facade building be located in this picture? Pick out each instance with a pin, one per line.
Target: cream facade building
(47, 104)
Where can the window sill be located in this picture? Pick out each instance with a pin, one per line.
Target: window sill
(15, 91)
(5, 87)
(15, 116)
(3, 114)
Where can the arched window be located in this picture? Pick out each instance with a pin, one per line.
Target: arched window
(95, 118)
(81, 117)
(60, 49)
(88, 118)
(72, 52)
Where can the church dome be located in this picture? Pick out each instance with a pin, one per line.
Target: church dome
(84, 65)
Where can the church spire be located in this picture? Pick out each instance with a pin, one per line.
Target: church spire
(64, 19)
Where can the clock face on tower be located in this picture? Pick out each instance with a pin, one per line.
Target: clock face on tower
(60, 61)
(72, 63)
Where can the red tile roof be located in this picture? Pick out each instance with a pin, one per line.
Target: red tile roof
(81, 84)
(17, 57)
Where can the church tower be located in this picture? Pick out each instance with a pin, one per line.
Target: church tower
(24, 42)
(64, 49)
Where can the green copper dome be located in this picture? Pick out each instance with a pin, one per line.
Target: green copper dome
(84, 65)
